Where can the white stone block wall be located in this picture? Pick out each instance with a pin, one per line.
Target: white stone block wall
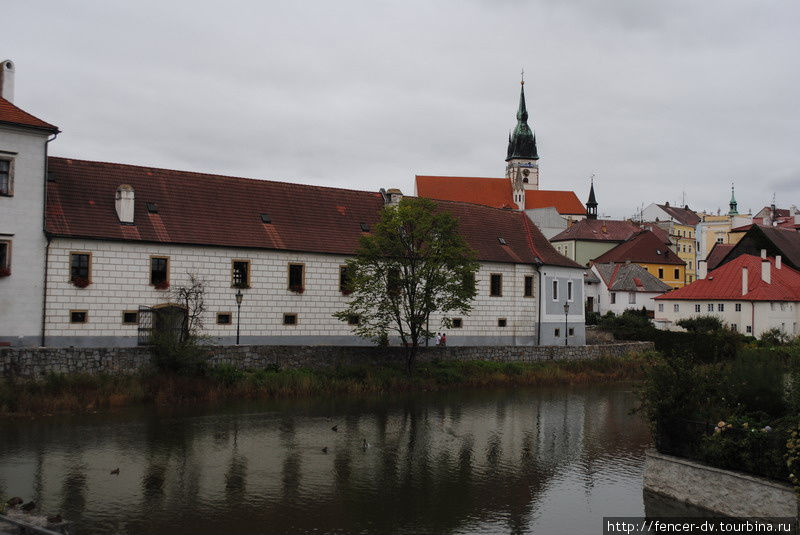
(120, 274)
(21, 217)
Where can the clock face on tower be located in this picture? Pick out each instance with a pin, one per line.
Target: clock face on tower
(526, 172)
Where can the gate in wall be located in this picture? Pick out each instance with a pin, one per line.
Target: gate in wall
(145, 325)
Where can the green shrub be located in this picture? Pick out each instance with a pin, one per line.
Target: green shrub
(184, 357)
(754, 382)
(227, 374)
(773, 337)
(701, 324)
(593, 318)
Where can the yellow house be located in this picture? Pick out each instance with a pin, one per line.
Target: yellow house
(650, 252)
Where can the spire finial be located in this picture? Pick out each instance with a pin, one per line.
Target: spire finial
(522, 77)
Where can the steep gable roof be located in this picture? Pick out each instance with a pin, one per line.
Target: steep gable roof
(645, 247)
(716, 254)
(683, 215)
(598, 230)
(566, 202)
(776, 240)
(725, 283)
(203, 209)
(629, 278)
(10, 114)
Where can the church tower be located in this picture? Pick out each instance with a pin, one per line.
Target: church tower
(733, 204)
(591, 204)
(522, 167)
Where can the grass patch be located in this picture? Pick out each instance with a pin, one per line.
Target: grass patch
(77, 393)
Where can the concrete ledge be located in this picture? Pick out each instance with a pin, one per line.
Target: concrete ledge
(722, 491)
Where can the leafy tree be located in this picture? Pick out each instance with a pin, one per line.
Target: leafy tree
(701, 324)
(414, 263)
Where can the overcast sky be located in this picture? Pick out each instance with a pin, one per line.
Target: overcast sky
(658, 99)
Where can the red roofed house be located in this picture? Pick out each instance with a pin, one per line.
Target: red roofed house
(117, 237)
(585, 240)
(520, 187)
(649, 251)
(750, 294)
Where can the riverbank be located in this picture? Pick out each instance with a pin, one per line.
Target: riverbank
(58, 393)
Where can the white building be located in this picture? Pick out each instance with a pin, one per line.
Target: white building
(748, 294)
(117, 238)
(626, 286)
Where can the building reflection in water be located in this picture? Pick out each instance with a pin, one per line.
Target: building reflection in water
(519, 461)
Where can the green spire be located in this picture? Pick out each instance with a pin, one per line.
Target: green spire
(522, 142)
(733, 204)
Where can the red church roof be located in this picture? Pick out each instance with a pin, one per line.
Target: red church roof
(495, 192)
(11, 114)
(725, 283)
(201, 209)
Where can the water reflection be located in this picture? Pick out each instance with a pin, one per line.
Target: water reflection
(541, 460)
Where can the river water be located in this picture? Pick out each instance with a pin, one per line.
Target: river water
(535, 460)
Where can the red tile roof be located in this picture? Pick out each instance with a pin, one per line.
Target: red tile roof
(658, 231)
(683, 215)
(10, 114)
(495, 192)
(598, 230)
(204, 209)
(565, 202)
(725, 283)
(644, 248)
(717, 253)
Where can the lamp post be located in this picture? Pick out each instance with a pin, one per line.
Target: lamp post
(239, 296)
(566, 323)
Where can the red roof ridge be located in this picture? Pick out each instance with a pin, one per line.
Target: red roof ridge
(10, 113)
(449, 176)
(188, 174)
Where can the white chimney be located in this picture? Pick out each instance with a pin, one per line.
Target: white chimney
(7, 80)
(123, 202)
(702, 269)
(744, 281)
(778, 262)
(763, 254)
(765, 271)
(395, 196)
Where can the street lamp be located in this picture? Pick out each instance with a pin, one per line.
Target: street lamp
(566, 322)
(239, 296)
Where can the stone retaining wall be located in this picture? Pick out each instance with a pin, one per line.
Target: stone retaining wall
(34, 363)
(721, 491)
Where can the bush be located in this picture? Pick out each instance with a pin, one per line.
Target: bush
(184, 357)
(754, 383)
(773, 337)
(593, 318)
(227, 374)
(701, 324)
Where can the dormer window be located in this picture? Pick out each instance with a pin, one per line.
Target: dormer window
(152, 208)
(364, 227)
(265, 218)
(502, 241)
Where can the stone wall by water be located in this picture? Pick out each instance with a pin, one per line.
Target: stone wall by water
(34, 363)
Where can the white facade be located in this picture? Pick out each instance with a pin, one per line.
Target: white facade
(620, 301)
(747, 317)
(562, 285)
(21, 231)
(120, 282)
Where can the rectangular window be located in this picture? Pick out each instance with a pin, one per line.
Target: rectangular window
(661, 307)
(734, 328)
(749, 328)
(6, 177)
(569, 290)
(80, 269)
(344, 281)
(555, 290)
(528, 289)
(613, 298)
(501, 322)
(676, 308)
(457, 323)
(290, 319)
(353, 319)
(5, 258)
(677, 274)
(130, 317)
(738, 307)
(159, 271)
(78, 316)
(224, 318)
(240, 273)
(296, 278)
(557, 333)
(496, 285)
(631, 298)
(571, 331)
(697, 308)
(711, 307)
(660, 273)
(720, 307)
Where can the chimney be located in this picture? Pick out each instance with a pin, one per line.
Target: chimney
(394, 196)
(778, 262)
(123, 202)
(765, 271)
(603, 229)
(702, 269)
(7, 80)
(744, 281)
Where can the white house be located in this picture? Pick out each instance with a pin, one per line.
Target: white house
(92, 249)
(625, 286)
(748, 294)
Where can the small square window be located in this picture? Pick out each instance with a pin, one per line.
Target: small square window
(80, 269)
(528, 288)
(749, 329)
(240, 273)
(734, 328)
(557, 333)
(78, 316)
(457, 323)
(291, 319)
(6, 177)
(697, 308)
(501, 322)
(496, 285)
(130, 317)
(224, 318)
(738, 307)
(296, 278)
(721, 307)
(353, 319)
(676, 308)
